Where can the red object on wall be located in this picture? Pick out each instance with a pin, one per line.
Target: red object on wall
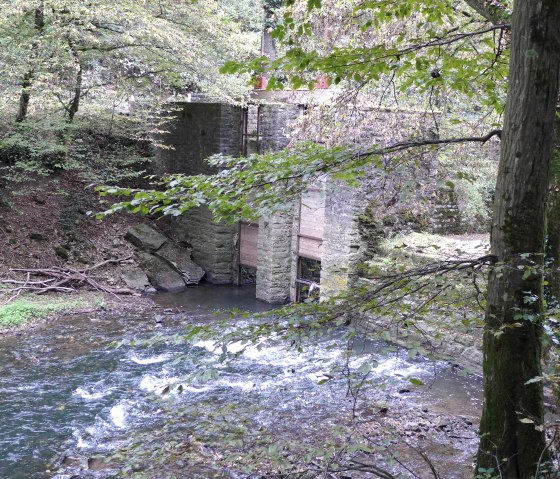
(322, 82)
(260, 82)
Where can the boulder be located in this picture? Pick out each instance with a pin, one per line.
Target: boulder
(180, 259)
(145, 238)
(97, 463)
(135, 278)
(161, 274)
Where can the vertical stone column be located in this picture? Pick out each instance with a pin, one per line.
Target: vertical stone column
(198, 130)
(294, 256)
(341, 239)
(275, 233)
(274, 258)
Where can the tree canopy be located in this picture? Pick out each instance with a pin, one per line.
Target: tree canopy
(115, 64)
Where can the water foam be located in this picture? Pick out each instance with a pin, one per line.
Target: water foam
(118, 415)
(84, 394)
(150, 360)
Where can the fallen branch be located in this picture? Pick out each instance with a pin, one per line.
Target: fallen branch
(63, 280)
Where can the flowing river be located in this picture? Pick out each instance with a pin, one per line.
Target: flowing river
(67, 392)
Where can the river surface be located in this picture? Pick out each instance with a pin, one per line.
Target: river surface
(66, 390)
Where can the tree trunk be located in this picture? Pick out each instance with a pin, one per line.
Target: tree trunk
(75, 103)
(553, 226)
(27, 81)
(24, 96)
(512, 441)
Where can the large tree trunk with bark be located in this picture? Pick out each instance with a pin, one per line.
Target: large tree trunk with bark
(553, 225)
(512, 440)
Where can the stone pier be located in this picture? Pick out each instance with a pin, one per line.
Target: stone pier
(197, 131)
(341, 239)
(274, 258)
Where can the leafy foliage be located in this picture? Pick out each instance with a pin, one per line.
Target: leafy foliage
(425, 47)
(111, 67)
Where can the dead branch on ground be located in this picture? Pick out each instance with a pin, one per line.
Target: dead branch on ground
(62, 280)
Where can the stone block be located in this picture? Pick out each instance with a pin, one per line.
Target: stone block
(180, 259)
(135, 278)
(162, 276)
(145, 238)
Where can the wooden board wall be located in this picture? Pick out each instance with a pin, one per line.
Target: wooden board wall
(248, 240)
(311, 224)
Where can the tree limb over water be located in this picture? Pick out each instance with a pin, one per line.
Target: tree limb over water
(260, 185)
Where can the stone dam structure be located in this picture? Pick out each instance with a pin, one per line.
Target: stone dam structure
(313, 250)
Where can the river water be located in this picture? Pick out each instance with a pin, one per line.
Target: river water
(67, 391)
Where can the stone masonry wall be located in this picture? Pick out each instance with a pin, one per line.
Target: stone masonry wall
(274, 128)
(213, 244)
(198, 131)
(341, 239)
(274, 258)
(446, 218)
(275, 233)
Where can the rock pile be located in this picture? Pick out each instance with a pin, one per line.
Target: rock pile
(163, 265)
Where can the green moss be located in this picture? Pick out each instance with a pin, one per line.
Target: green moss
(29, 308)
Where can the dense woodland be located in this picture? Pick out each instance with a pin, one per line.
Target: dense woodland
(87, 87)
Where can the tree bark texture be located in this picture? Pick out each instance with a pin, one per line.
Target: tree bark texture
(553, 225)
(27, 81)
(512, 442)
(75, 102)
(492, 13)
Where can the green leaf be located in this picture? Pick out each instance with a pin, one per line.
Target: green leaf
(416, 381)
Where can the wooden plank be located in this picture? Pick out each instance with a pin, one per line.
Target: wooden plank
(248, 244)
(312, 214)
(310, 248)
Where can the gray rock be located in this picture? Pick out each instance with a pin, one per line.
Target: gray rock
(412, 426)
(37, 237)
(135, 278)
(145, 238)
(441, 422)
(162, 276)
(97, 463)
(471, 357)
(180, 258)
